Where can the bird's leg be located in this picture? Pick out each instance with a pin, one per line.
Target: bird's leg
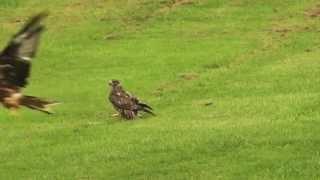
(115, 115)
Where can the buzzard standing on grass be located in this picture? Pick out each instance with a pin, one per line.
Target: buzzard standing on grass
(127, 105)
(15, 65)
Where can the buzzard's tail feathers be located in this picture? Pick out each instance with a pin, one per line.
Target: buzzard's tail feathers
(38, 104)
(145, 108)
(148, 111)
(143, 105)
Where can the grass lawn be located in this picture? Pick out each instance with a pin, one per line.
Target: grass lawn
(234, 83)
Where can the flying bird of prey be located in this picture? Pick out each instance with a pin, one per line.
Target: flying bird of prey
(15, 65)
(127, 105)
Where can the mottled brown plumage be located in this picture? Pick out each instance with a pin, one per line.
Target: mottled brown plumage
(127, 105)
(15, 65)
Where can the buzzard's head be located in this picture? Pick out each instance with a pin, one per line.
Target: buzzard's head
(114, 83)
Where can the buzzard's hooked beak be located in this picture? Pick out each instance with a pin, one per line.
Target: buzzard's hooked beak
(110, 83)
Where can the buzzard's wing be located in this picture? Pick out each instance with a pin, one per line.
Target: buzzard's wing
(15, 59)
(127, 105)
(122, 101)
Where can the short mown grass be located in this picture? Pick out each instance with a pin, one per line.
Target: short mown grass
(234, 85)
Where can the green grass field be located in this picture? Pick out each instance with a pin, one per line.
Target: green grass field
(256, 62)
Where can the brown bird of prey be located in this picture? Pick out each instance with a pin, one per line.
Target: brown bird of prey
(127, 105)
(15, 65)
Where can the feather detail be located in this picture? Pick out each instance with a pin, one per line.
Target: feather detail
(126, 104)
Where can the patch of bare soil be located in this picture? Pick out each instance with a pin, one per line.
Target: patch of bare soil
(112, 36)
(282, 31)
(212, 66)
(166, 87)
(14, 22)
(132, 22)
(169, 5)
(286, 30)
(183, 2)
(189, 76)
(313, 12)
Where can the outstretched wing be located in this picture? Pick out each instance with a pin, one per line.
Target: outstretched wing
(15, 59)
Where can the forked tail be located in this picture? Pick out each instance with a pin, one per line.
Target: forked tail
(38, 104)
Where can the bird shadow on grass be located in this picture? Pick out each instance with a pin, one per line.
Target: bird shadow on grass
(119, 119)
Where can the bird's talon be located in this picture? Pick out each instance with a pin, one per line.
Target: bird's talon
(115, 115)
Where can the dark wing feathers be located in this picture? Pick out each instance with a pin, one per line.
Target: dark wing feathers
(33, 23)
(145, 106)
(123, 104)
(148, 111)
(24, 43)
(27, 47)
(121, 101)
(20, 51)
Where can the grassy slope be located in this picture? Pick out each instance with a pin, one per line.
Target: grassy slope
(262, 80)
